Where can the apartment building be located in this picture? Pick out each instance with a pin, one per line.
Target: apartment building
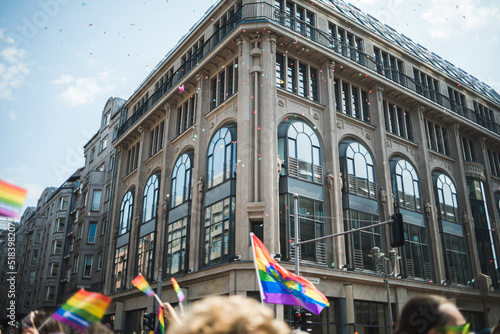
(87, 235)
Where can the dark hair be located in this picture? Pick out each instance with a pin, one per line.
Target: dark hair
(421, 314)
(37, 318)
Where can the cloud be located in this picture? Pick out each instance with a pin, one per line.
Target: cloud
(13, 69)
(12, 115)
(452, 18)
(80, 91)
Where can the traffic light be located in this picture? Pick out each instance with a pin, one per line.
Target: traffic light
(306, 323)
(397, 230)
(149, 321)
(297, 319)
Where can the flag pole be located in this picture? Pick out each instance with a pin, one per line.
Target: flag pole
(43, 323)
(257, 270)
(297, 232)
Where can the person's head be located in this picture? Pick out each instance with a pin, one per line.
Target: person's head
(495, 329)
(229, 315)
(430, 314)
(35, 319)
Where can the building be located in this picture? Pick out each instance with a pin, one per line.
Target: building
(86, 239)
(261, 101)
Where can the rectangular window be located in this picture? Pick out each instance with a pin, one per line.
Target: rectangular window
(99, 262)
(176, 246)
(351, 100)
(218, 230)
(92, 233)
(397, 121)
(96, 200)
(133, 158)
(111, 162)
(427, 86)
(389, 66)
(75, 264)
(457, 101)
(103, 144)
(280, 74)
(437, 138)
(60, 223)
(107, 195)
(54, 270)
(87, 269)
(145, 252)
(50, 293)
(31, 279)
(63, 203)
(156, 139)
(468, 149)
(103, 225)
(301, 79)
(120, 267)
(494, 159)
(56, 247)
(224, 84)
(34, 255)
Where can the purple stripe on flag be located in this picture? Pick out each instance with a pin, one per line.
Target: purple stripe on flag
(71, 319)
(288, 299)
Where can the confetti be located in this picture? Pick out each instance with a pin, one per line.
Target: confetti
(181, 88)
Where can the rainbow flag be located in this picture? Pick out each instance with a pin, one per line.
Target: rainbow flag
(160, 326)
(140, 283)
(177, 289)
(11, 199)
(279, 286)
(82, 309)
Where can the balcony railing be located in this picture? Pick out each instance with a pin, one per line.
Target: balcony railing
(252, 12)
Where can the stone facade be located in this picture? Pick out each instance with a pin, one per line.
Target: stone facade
(261, 101)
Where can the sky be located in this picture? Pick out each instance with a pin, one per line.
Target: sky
(60, 61)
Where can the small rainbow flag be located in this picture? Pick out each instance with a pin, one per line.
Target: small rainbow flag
(11, 199)
(279, 286)
(82, 309)
(140, 283)
(177, 289)
(160, 326)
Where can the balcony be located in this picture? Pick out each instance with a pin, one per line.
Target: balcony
(255, 12)
(474, 170)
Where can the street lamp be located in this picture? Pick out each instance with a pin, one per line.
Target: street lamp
(377, 255)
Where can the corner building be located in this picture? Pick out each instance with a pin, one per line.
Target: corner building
(260, 101)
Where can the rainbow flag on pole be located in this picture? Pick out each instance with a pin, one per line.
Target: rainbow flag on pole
(140, 283)
(82, 309)
(177, 289)
(11, 199)
(279, 286)
(160, 326)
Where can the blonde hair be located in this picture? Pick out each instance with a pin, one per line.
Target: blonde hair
(229, 315)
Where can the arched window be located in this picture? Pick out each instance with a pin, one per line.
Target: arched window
(453, 236)
(447, 197)
(360, 171)
(407, 185)
(126, 212)
(181, 180)
(303, 152)
(360, 206)
(221, 156)
(150, 200)
(415, 253)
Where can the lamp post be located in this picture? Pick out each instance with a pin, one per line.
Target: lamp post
(376, 254)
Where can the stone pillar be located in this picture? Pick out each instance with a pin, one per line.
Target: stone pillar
(331, 164)
(199, 167)
(427, 192)
(381, 160)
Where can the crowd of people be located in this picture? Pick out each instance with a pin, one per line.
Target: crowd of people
(426, 314)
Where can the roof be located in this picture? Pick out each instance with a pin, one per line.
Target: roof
(369, 22)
